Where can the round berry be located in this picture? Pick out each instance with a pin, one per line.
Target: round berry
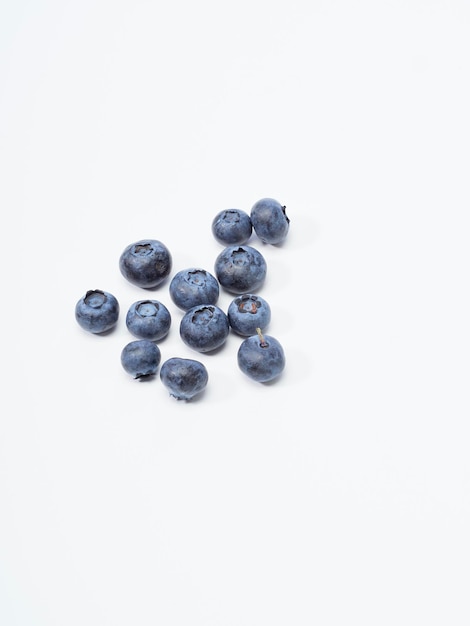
(141, 358)
(248, 312)
(269, 220)
(240, 269)
(204, 327)
(193, 286)
(148, 319)
(231, 227)
(261, 357)
(145, 263)
(184, 378)
(97, 311)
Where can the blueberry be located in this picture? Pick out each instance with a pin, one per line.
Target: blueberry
(97, 311)
(231, 227)
(148, 319)
(193, 286)
(145, 263)
(204, 327)
(261, 357)
(269, 220)
(248, 312)
(184, 378)
(240, 269)
(141, 358)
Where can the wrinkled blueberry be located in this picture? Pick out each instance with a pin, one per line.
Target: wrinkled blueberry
(248, 312)
(232, 227)
(141, 358)
(148, 319)
(204, 327)
(269, 220)
(145, 263)
(240, 269)
(184, 378)
(193, 286)
(97, 311)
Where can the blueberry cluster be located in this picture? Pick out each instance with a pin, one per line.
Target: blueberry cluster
(239, 269)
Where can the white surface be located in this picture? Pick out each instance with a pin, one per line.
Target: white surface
(340, 494)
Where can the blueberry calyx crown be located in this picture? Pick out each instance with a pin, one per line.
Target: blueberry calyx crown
(196, 277)
(142, 249)
(147, 308)
(252, 308)
(95, 298)
(203, 315)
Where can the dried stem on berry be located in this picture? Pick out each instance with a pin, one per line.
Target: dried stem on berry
(263, 342)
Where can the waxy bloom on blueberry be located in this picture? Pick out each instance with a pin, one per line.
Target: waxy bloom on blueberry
(261, 357)
(97, 311)
(148, 319)
(141, 358)
(269, 220)
(248, 312)
(145, 263)
(232, 227)
(240, 269)
(204, 327)
(184, 378)
(193, 286)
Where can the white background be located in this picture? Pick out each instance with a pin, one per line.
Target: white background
(339, 495)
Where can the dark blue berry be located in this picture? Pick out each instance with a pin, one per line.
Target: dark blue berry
(184, 378)
(141, 358)
(193, 286)
(269, 220)
(261, 357)
(248, 312)
(145, 263)
(240, 269)
(97, 311)
(148, 319)
(232, 227)
(204, 327)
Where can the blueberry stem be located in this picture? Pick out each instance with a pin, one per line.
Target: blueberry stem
(264, 343)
